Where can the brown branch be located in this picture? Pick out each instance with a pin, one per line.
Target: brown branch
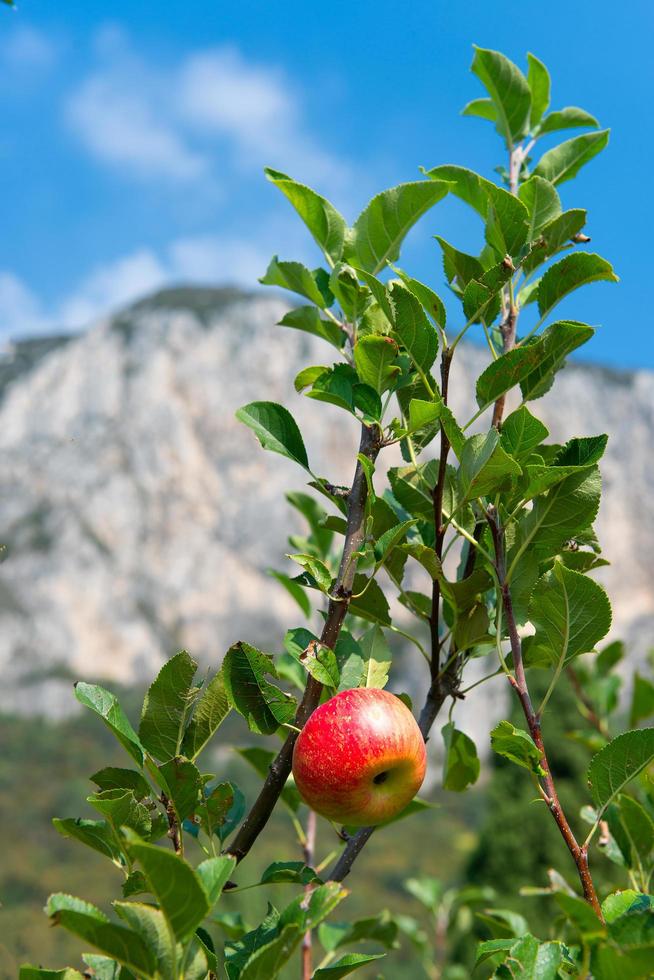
(309, 850)
(508, 331)
(173, 823)
(519, 683)
(443, 683)
(280, 767)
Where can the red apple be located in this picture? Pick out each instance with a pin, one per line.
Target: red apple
(360, 758)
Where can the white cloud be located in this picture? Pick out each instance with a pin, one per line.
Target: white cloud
(111, 285)
(208, 258)
(200, 259)
(196, 121)
(120, 125)
(25, 48)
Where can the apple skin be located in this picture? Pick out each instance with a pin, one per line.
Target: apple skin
(359, 736)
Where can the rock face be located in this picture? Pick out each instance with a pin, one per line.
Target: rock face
(140, 516)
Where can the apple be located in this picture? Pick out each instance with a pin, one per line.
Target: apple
(360, 758)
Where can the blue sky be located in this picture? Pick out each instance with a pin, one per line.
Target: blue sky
(133, 138)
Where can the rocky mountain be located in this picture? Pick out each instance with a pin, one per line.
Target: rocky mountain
(140, 517)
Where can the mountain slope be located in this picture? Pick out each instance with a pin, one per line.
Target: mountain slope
(140, 516)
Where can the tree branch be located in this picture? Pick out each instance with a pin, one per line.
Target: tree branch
(510, 319)
(519, 683)
(280, 767)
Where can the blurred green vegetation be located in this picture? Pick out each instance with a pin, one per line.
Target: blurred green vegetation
(44, 772)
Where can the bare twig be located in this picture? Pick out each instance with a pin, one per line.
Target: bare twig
(519, 683)
(280, 767)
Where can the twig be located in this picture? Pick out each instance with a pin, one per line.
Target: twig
(519, 683)
(173, 824)
(510, 320)
(280, 767)
(309, 850)
(589, 712)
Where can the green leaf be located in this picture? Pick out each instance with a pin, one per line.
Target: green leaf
(522, 432)
(461, 764)
(210, 711)
(222, 809)
(562, 513)
(382, 226)
(372, 604)
(316, 658)
(485, 466)
(294, 589)
(29, 972)
(618, 903)
(412, 327)
(335, 386)
(263, 705)
(538, 79)
(516, 745)
(121, 808)
(559, 340)
(642, 699)
(638, 828)
(509, 91)
(316, 567)
(481, 108)
(346, 965)
(293, 872)
(135, 884)
(467, 185)
(571, 614)
(585, 451)
(113, 778)
(322, 219)
(542, 202)
(374, 359)
(376, 658)
(378, 928)
(276, 430)
(149, 923)
(575, 270)
(569, 118)
(508, 370)
(167, 706)
(459, 267)
(614, 766)
(298, 279)
(96, 834)
(260, 760)
(183, 781)
(213, 874)
(116, 941)
(171, 877)
(265, 959)
(507, 224)
(308, 319)
(429, 300)
(106, 705)
(564, 162)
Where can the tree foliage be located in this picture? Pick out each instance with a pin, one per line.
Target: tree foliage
(516, 508)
